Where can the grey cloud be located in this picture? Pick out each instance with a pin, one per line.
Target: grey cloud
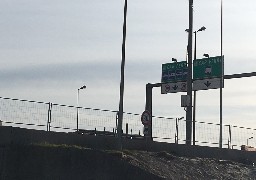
(107, 71)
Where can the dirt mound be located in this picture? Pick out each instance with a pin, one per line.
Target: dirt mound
(68, 162)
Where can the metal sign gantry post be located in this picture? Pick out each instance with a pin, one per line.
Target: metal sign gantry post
(149, 89)
(148, 106)
(189, 80)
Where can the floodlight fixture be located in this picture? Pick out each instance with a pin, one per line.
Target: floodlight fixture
(174, 60)
(206, 55)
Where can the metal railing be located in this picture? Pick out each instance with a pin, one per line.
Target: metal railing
(63, 118)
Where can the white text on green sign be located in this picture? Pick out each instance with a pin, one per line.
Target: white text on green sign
(174, 72)
(208, 67)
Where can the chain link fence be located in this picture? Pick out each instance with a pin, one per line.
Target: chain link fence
(62, 118)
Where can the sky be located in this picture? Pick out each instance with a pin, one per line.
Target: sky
(50, 48)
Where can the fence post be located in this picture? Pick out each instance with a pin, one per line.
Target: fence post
(177, 132)
(49, 117)
(126, 130)
(230, 144)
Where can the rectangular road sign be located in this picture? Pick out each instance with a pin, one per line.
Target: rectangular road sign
(174, 72)
(173, 87)
(205, 84)
(207, 68)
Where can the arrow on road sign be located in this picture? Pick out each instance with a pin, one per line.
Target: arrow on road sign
(207, 83)
(175, 87)
(204, 84)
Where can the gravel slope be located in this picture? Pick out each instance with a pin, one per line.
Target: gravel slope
(169, 166)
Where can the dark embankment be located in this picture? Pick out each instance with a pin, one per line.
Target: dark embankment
(48, 162)
(62, 162)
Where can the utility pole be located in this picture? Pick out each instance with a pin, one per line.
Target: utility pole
(189, 80)
(121, 102)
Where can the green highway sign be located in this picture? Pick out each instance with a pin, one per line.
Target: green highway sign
(207, 68)
(174, 72)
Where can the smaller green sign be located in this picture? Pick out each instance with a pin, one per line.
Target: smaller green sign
(212, 67)
(174, 72)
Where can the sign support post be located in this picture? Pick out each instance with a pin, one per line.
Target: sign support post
(189, 79)
(148, 106)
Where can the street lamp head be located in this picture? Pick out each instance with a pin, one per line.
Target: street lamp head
(206, 55)
(180, 118)
(201, 29)
(83, 87)
(174, 60)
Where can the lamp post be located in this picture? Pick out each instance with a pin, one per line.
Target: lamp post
(199, 30)
(222, 71)
(248, 140)
(177, 130)
(194, 101)
(77, 112)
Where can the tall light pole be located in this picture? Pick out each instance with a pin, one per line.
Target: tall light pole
(189, 80)
(221, 79)
(194, 100)
(121, 102)
(77, 111)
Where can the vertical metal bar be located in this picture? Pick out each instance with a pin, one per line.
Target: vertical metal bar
(221, 80)
(194, 102)
(176, 133)
(120, 115)
(230, 136)
(77, 112)
(49, 117)
(116, 120)
(148, 107)
(189, 80)
(126, 130)
(195, 46)
(194, 119)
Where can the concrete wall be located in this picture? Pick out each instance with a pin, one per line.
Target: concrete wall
(11, 135)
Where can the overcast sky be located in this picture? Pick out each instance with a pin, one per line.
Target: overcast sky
(50, 48)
